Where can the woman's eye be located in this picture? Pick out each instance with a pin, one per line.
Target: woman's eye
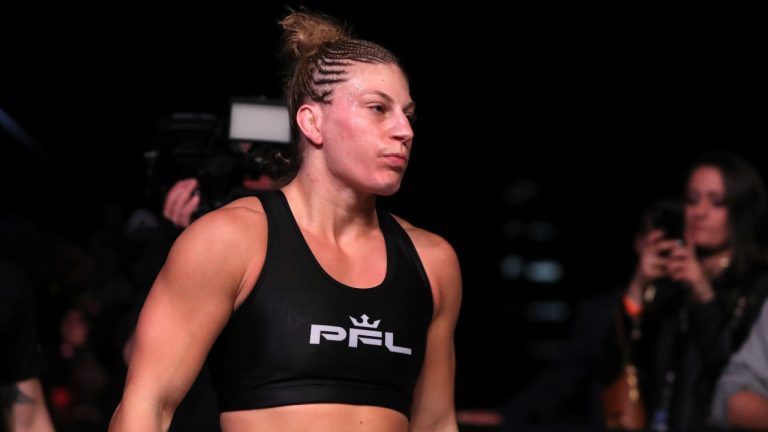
(377, 108)
(411, 117)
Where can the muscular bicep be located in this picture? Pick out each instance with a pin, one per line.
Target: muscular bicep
(177, 326)
(188, 306)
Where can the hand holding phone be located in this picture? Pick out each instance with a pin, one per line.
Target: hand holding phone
(668, 217)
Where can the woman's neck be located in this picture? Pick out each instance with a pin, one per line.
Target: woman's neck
(322, 208)
(714, 262)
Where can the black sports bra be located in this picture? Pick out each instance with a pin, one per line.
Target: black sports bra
(302, 337)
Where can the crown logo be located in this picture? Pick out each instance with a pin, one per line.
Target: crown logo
(364, 322)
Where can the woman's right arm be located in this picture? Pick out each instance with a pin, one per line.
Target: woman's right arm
(651, 265)
(188, 306)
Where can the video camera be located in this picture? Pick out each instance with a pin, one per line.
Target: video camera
(193, 144)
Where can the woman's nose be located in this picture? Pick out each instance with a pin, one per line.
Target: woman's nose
(700, 208)
(403, 130)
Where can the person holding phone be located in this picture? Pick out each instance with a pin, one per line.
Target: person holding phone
(695, 294)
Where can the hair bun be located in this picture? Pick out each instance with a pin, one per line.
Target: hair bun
(305, 33)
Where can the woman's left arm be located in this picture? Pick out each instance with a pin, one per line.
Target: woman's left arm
(433, 405)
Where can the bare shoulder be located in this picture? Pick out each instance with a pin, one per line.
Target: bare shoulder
(229, 242)
(229, 224)
(441, 265)
(431, 247)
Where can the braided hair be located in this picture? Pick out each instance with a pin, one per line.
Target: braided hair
(319, 53)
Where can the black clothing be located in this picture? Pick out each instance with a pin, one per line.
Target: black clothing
(303, 337)
(685, 345)
(21, 356)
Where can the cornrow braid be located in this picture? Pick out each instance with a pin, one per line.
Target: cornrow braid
(319, 52)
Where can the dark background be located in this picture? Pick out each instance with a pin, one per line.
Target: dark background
(571, 116)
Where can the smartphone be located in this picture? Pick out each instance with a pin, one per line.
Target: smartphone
(668, 217)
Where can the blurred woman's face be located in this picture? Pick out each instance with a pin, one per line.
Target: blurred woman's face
(706, 214)
(74, 328)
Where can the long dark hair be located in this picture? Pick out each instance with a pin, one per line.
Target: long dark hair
(745, 199)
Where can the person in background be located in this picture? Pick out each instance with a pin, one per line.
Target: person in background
(741, 395)
(21, 395)
(183, 199)
(695, 296)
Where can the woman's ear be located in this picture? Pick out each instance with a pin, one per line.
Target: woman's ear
(309, 120)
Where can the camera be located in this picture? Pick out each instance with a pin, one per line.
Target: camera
(220, 153)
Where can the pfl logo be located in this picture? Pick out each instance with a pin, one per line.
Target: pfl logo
(358, 333)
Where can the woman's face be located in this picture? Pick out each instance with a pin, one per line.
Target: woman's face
(366, 129)
(74, 328)
(706, 214)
